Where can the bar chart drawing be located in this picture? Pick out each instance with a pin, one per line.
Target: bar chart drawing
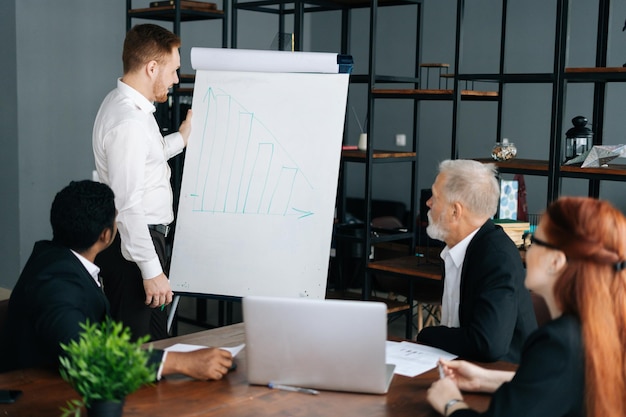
(259, 183)
(242, 167)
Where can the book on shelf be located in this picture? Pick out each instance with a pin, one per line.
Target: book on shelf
(514, 229)
(185, 4)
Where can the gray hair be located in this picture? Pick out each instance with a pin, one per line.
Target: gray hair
(472, 183)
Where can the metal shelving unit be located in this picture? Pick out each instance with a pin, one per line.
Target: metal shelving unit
(561, 76)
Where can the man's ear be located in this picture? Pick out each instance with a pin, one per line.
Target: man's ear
(106, 236)
(457, 210)
(152, 69)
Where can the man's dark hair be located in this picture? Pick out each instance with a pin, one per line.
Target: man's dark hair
(145, 43)
(80, 212)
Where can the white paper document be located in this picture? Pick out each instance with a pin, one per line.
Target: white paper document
(412, 359)
(183, 347)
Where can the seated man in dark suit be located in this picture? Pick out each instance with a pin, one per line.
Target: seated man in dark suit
(487, 313)
(59, 289)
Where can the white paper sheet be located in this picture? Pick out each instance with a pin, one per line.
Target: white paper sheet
(412, 359)
(220, 59)
(183, 347)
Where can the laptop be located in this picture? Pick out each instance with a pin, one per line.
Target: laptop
(335, 345)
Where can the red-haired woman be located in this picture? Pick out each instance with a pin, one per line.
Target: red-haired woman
(575, 365)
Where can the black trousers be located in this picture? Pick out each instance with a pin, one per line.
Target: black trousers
(123, 286)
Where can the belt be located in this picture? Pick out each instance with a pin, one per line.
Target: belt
(164, 229)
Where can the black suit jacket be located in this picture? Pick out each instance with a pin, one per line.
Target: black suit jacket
(550, 380)
(53, 295)
(495, 312)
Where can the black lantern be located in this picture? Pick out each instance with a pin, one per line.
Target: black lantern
(578, 138)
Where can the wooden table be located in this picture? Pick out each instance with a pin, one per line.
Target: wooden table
(45, 392)
(413, 268)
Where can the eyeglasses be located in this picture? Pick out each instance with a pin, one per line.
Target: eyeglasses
(539, 242)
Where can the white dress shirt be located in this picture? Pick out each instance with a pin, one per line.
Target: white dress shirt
(453, 260)
(131, 157)
(92, 268)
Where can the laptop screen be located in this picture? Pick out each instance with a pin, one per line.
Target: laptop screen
(322, 344)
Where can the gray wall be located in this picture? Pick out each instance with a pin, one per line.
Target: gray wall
(62, 57)
(9, 202)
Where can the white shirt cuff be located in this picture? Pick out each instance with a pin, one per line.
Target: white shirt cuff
(160, 371)
(150, 269)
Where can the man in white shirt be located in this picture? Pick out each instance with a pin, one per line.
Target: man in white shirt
(131, 157)
(487, 313)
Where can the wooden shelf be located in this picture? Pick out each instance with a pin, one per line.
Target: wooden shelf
(187, 78)
(595, 70)
(615, 172)
(587, 74)
(434, 94)
(168, 13)
(434, 65)
(366, 3)
(377, 154)
(185, 91)
(525, 166)
(411, 265)
(287, 6)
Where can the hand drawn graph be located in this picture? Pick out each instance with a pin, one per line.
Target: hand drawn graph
(257, 201)
(242, 167)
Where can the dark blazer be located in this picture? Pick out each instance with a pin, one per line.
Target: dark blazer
(550, 380)
(53, 295)
(495, 312)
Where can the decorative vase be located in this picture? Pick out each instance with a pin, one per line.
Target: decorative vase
(503, 151)
(105, 408)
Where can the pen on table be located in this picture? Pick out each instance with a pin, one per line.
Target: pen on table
(294, 389)
(442, 374)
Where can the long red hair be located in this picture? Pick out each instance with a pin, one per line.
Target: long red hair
(592, 234)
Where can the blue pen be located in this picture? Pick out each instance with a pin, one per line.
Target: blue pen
(293, 389)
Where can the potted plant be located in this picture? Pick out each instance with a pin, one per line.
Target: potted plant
(104, 365)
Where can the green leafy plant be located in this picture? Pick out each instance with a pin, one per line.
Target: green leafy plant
(104, 364)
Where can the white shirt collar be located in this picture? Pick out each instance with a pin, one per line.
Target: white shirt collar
(139, 99)
(457, 253)
(89, 266)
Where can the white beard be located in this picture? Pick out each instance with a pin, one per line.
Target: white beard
(434, 229)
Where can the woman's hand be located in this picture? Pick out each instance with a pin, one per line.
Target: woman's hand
(467, 376)
(473, 378)
(441, 392)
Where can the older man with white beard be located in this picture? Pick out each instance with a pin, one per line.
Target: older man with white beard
(487, 313)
